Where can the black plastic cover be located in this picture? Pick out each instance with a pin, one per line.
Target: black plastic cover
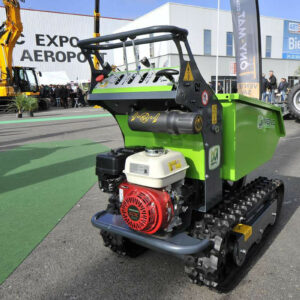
(113, 162)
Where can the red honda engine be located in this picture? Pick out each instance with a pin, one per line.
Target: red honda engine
(145, 209)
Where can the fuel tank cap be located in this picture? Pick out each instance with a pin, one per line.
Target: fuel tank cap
(155, 151)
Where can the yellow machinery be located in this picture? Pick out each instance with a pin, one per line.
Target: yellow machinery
(14, 80)
(11, 30)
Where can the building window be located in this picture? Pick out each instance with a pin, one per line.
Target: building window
(229, 44)
(268, 45)
(207, 42)
(151, 45)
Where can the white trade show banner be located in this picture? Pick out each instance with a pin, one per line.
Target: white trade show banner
(49, 41)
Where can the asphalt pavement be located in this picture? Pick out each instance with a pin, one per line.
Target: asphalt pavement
(72, 263)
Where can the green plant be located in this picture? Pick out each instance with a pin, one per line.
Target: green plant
(31, 104)
(19, 103)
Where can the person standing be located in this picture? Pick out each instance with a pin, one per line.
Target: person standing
(71, 96)
(57, 93)
(42, 91)
(52, 95)
(80, 96)
(220, 88)
(282, 88)
(272, 85)
(264, 87)
(64, 96)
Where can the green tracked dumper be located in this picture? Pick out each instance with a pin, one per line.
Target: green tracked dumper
(178, 184)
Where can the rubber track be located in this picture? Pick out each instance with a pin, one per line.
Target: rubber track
(212, 268)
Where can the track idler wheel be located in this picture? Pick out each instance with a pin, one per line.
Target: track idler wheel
(121, 245)
(238, 255)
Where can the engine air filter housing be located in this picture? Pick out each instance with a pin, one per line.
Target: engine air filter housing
(155, 168)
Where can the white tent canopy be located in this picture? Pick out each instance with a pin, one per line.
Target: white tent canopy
(59, 77)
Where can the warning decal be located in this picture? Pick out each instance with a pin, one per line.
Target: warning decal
(204, 98)
(188, 75)
(214, 114)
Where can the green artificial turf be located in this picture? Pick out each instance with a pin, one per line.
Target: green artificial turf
(39, 184)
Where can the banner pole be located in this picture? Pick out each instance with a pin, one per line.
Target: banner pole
(217, 55)
(259, 49)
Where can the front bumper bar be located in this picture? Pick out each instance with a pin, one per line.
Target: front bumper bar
(179, 244)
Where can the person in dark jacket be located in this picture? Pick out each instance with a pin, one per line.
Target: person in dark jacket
(42, 91)
(47, 91)
(72, 96)
(272, 85)
(52, 95)
(264, 88)
(80, 96)
(282, 88)
(57, 93)
(220, 88)
(64, 96)
(211, 86)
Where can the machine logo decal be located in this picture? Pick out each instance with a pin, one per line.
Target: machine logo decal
(174, 165)
(188, 75)
(133, 213)
(198, 124)
(214, 114)
(263, 122)
(204, 98)
(145, 117)
(214, 157)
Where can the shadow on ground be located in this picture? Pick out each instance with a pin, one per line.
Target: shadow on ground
(50, 135)
(24, 155)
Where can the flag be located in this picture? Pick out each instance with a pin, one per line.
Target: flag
(246, 32)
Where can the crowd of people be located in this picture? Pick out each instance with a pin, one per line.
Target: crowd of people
(270, 88)
(63, 95)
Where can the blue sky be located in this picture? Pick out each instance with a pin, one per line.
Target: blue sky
(286, 9)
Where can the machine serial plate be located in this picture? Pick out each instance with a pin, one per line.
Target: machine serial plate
(139, 169)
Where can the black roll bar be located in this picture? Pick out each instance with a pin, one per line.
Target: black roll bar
(176, 33)
(155, 39)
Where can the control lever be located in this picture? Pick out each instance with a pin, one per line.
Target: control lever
(125, 58)
(136, 57)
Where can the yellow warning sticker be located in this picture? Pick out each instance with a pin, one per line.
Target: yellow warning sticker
(214, 114)
(174, 165)
(188, 75)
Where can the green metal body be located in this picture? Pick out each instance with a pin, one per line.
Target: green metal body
(251, 130)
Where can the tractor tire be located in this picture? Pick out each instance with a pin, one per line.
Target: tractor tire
(294, 101)
(44, 104)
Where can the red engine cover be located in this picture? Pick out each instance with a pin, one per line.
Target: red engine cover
(145, 209)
